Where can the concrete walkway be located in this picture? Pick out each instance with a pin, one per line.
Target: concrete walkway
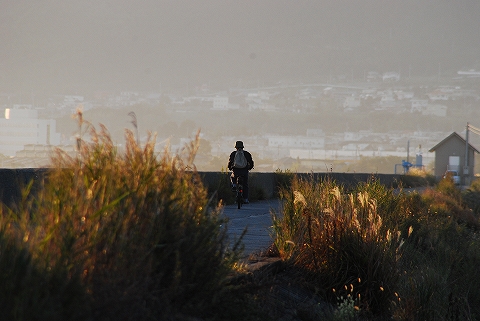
(257, 219)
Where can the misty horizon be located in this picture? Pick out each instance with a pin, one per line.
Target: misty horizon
(81, 46)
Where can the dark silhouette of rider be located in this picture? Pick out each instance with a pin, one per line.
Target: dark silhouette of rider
(240, 171)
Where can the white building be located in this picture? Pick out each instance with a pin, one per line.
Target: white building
(418, 105)
(472, 73)
(73, 99)
(296, 142)
(21, 127)
(222, 103)
(373, 76)
(438, 95)
(391, 76)
(401, 95)
(355, 136)
(307, 93)
(437, 110)
(351, 103)
(388, 100)
(261, 106)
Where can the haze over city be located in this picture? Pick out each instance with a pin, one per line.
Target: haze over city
(287, 53)
(137, 45)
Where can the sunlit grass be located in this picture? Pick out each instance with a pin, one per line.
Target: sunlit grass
(115, 235)
(134, 235)
(383, 254)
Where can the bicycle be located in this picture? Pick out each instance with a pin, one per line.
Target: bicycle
(239, 191)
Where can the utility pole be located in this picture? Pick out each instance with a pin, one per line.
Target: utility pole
(465, 168)
(408, 151)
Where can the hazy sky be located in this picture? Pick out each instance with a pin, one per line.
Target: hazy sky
(84, 45)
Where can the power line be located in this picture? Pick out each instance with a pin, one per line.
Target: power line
(474, 129)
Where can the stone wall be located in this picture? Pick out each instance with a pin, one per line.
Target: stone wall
(269, 182)
(13, 180)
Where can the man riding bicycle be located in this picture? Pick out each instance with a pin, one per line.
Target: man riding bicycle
(240, 162)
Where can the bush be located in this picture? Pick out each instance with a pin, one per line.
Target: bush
(135, 230)
(30, 291)
(393, 255)
(438, 258)
(471, 197)
(283, 180)
(338, 238)
(411, 181)
(221, 191)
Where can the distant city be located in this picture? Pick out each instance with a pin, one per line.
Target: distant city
(317, 126)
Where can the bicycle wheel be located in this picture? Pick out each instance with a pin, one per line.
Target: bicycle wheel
(239, 196)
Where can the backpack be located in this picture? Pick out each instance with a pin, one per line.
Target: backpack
(240, 161)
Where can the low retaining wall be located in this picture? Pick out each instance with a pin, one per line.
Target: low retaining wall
(12, 181)
(269, 182)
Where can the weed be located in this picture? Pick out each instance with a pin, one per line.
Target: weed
(133, 231)
(339, 238)
(345, 309)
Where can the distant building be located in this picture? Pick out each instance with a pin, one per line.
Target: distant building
(391, 76)
(436, 110)
(261, 106)
(438, 95)
(373, 76)
(307, 93)
(307, 142)
(401, 95)
(351, 103)
(73, 99)
(388, 100)
(315, 132)
(472, 73)
(418, 105)
(22, 127)
(220, 103)
(355, 136)
(450, 155)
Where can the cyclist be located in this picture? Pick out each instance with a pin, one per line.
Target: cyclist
(240, 162)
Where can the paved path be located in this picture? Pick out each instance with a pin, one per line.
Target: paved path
(257, 219)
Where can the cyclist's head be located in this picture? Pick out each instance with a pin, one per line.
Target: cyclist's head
(239, 144)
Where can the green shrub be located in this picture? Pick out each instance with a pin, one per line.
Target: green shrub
(471, 197)
(283, 180)
(437, 259)
(30, 291)
(222, 190)
(410, 181)
(475, 185)
(256, 192)
(135, 229)
(447, 186)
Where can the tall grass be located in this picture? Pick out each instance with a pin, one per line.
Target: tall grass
(440, 258)
(127, 236)
(395, 255)
(338, 238)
